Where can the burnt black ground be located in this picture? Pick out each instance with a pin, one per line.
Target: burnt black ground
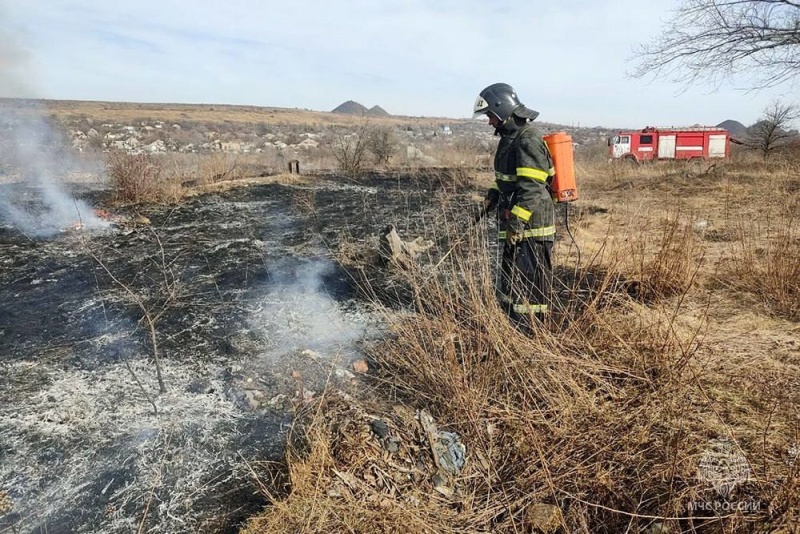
(257, 296)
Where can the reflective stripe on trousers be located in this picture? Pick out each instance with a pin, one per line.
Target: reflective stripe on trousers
(523, 308)
(534, 232)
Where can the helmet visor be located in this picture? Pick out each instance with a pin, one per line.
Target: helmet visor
(481, 107)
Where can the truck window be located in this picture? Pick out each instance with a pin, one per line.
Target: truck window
(624, 139)
(645, 139)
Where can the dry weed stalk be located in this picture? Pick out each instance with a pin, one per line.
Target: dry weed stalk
(604, 413)
(219, 167)
(140, 178)
(766, 264)
(150, 315)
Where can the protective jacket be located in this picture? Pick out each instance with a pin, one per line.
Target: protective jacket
(523, 171)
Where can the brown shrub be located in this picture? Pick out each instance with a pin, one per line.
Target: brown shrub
(142, 178)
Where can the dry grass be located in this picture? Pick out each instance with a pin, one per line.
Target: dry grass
(167, 178)
(142, 178)
(764, 261)
(607, 414)
(126, 112)
(219, 167)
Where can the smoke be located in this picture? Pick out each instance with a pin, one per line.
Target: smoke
(39, 161)
(298, 313)
(13, 62)
(33, 154)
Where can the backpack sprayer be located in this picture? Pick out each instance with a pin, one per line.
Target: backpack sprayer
(560, 146)
(563, 187)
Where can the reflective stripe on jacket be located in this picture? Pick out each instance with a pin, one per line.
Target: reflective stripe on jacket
(523, 167)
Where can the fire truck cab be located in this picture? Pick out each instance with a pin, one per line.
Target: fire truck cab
(650, 144)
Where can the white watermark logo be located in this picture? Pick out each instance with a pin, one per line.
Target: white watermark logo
(725, 507)
(723, 467)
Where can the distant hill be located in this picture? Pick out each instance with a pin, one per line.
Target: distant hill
(351, 107)
(377, 111)
(735, 128)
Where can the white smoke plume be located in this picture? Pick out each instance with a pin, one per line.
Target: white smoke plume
(297, 313)
(33, 155)
(38, 161)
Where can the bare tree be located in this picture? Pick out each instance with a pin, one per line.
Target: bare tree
(382, 144)
(718, 39)
(774, 129)
(350, 149)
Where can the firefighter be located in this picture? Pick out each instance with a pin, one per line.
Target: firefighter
(521, 193)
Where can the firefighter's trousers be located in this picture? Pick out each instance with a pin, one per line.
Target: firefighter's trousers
(527, 278)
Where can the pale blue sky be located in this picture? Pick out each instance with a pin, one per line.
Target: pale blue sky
(567, 59)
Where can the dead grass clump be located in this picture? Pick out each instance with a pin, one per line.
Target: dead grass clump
(598, 422)
(343, 479)
(766, 264)
(667, 267)
(219, 167)
(291, 179)
(359, 256)
(142, 178)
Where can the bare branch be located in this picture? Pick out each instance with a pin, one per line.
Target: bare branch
(773, 130)
(713, 40)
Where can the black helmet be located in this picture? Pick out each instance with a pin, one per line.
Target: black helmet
(501, 100)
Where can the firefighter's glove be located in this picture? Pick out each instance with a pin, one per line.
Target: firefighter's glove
(486, 205)
(513, 237)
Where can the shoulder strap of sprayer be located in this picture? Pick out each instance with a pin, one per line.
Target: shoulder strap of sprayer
(524, 129)
(521, 131)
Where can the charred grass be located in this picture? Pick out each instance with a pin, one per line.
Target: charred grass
(599, 421)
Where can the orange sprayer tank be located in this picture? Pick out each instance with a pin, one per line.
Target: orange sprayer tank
(563, 186)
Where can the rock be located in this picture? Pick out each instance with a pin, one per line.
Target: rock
(700, 226)
(308, 353)
(200, 386)
(252, 397)
(360, 366)
(440, 485)
(392, 445)
(344, 374)
(277, 400)
(250, 383)
(543, 518)
(380, 428)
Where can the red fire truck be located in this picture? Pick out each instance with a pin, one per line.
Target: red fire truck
(652, 144)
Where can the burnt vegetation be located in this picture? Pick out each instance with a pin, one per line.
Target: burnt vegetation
(674, 338)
